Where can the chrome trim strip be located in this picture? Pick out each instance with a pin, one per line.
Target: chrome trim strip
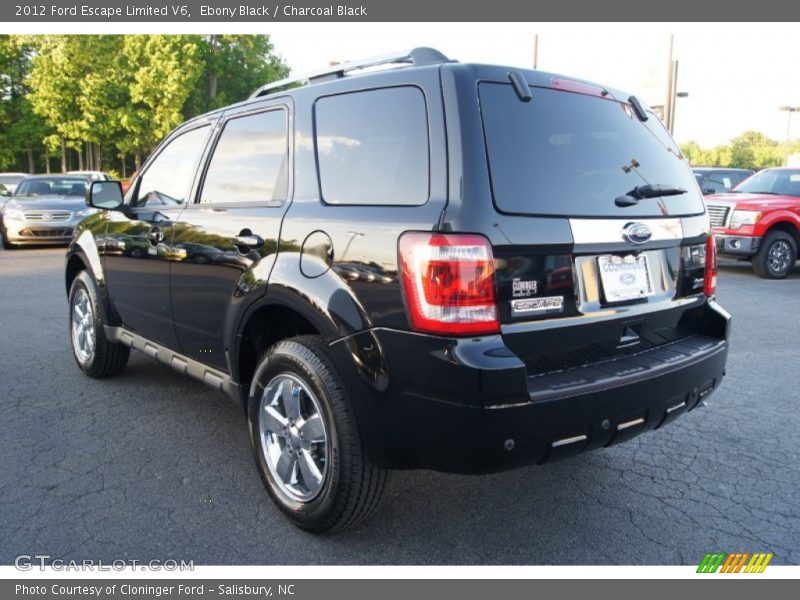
(678, 406)
(629, 424)
(606, 314)
(609, 231)
(183, 364)
(569, 440)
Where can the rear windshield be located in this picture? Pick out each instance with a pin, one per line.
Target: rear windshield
(571, 154)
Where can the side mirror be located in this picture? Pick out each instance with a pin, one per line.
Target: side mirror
(5, 192)
(104, 194)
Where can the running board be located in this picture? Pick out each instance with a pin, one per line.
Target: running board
(183, 364)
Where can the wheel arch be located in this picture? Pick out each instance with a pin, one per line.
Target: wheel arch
(75, 264)
(267, 322)
(787, 226)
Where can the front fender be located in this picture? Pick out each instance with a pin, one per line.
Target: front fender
(773, 218)
(83, 253)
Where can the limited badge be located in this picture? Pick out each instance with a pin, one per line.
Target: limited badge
(524, 289)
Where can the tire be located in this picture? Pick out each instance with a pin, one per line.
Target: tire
(101, 358)
(350, 487)
(776, 256)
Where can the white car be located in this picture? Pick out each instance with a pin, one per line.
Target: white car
(93, 175)
(11, 180)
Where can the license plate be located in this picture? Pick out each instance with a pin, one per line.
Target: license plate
(625, 277)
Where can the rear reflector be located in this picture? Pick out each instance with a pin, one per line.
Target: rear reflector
(448, 283)
(710, 280)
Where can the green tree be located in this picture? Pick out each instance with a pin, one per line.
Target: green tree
(56, 77)
(233, 67)
(21, 130)
(163, 71)
(111, 96)
(745, 147)
(692, 152)
(750, 150)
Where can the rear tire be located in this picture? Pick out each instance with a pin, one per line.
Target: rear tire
(776, 255)
(306, 442)
(95, 354)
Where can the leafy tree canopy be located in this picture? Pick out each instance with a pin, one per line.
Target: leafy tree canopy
(111, 96)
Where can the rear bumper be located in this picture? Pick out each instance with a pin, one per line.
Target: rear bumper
(469, 407)
(741, 246)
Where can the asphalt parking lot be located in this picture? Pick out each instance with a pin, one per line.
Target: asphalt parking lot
(151, 465)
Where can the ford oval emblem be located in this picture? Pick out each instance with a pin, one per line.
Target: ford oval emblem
(636, 233)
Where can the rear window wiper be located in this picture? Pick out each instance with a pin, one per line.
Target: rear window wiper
(651, 190)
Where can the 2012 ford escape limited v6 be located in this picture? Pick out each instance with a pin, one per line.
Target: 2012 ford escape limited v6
(436, 265)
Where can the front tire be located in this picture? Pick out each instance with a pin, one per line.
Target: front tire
(95, 354)
(776, 256)
(306, 442)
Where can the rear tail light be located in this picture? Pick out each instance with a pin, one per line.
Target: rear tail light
(448, 283)
(710, 280)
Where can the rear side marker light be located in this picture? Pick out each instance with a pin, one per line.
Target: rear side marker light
(448, 283)
(710, 279)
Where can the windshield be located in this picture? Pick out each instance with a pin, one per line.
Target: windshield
(572, 154)
(714, 181)
(785, 182)
(53, 186)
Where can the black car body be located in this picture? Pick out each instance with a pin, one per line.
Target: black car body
(462, 264)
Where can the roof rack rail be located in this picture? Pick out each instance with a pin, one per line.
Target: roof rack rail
(416, 57)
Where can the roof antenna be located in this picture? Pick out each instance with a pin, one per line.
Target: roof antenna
(520, 86)
(638, 108)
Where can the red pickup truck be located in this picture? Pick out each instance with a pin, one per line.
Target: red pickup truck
(759, 220)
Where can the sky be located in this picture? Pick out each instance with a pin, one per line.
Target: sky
(736, 75)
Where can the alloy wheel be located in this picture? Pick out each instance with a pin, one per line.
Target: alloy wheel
(293, 436)
(778, 257)
(83, 334)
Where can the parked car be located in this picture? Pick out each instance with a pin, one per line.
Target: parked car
(93, 175)
(718, 180)
(760, 220)
(445, 266)
(44, 210)
(11, 180)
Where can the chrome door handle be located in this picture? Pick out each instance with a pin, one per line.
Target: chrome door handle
(155, 235)
(250, 242)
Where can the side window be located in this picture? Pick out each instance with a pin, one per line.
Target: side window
(372, 147)
(168, 178)
(251, 160)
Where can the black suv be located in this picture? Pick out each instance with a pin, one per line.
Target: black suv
(427, 264)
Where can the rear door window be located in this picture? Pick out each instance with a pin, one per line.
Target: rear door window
(571, 154)
(372, 147)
